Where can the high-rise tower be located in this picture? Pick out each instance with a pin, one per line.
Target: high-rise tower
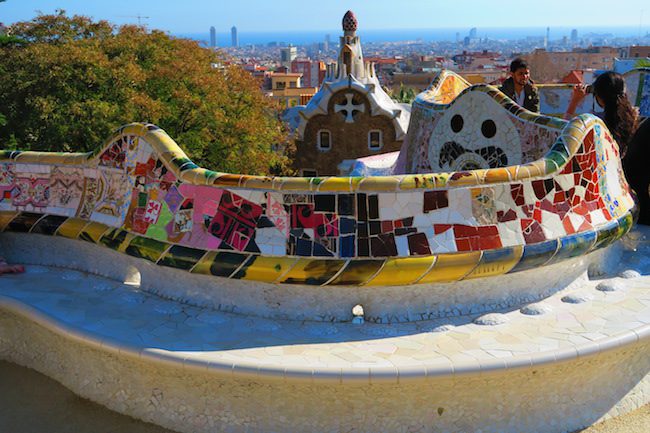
(233, 36)
(546, 38)
(213, 37)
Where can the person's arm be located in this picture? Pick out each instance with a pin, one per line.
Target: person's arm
(535, 100)
(577, 96)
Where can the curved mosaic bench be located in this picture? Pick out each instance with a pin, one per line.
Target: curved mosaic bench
(141, 196)
(481, 275)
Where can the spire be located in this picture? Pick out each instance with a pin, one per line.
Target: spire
(350, 57)
(349, 23)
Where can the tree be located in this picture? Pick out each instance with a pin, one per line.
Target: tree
(72, 81)
(406, 94)
(642, 63)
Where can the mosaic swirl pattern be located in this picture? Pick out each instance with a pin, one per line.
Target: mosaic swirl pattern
(139, 194)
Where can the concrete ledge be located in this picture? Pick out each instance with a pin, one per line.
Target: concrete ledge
(389, 304)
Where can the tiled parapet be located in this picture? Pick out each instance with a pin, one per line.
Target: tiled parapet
(483, 128)
(479, 129)
(554, 98)
(140, 195)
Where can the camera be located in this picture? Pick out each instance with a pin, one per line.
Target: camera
(589, 89)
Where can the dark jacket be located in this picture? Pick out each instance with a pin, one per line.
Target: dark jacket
(635, 166)
(531, 102)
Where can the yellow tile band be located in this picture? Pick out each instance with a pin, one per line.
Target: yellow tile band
(402, 271)
(452, 267)
(71, 228)
(6, 217)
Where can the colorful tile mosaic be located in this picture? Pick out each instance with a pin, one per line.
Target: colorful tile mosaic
(142, 196)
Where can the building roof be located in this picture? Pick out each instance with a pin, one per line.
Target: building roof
(573, 77)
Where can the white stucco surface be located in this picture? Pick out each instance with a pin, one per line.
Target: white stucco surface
(193, 369)
(387, 304)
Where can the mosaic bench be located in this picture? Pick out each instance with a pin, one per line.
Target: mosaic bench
(335, 241)
(493, 298)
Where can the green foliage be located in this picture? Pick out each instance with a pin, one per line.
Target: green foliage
(642, 63)
(8, 40)
(406, 94)
(73, 81)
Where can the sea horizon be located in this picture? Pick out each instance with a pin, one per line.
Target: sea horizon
(425, 35)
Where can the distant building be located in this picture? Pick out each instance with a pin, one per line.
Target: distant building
(579, 77)
(312, 71)
(213, 37)
(547, 66)
(287, 89)
(260, 73)
(234, 38)
(417, 81)
(485, 76)
(574, 36)
(473, 32)
(350, 117)
(639, 51)
(477, 59)
(547, 37)
(288, 55)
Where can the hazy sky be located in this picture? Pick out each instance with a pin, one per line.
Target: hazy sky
(257, 15)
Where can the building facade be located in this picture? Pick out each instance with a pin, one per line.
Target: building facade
(350, 117)
(288, 55)
(312, 71)
(639, 51)
(287, 89)
(551, 66)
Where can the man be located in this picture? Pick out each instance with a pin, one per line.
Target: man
(520, 88)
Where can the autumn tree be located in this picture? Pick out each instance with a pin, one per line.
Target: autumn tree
(68, 82)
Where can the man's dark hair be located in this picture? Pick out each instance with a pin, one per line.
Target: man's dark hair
(518, 63)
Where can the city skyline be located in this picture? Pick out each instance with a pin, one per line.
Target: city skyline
(194, 16)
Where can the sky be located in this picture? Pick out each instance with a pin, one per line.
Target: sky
(189, 16)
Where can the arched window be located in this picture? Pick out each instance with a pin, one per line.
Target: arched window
(375, 139)
(324, 139)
